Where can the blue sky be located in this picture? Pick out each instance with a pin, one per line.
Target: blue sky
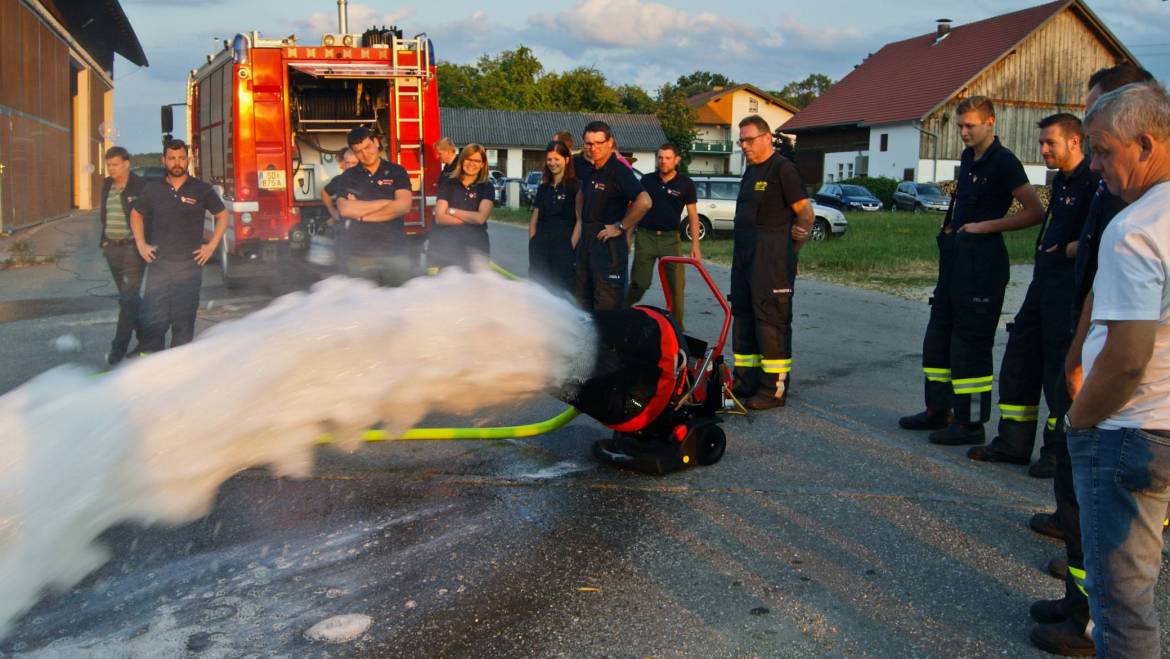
(630, 41)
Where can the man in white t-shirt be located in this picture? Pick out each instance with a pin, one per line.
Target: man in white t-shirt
(1119, 425)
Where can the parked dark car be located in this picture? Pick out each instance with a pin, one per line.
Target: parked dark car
(920, 197)
(151, 172)
(847, 197)
(529, 187)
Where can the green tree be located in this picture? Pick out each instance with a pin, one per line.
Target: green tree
(699, 82)
(459, 85)
(802, 92)
(636, 100)
(677, 120)
(509, 80)
(583, 89)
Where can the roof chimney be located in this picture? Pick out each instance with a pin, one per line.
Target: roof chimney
(944, 26)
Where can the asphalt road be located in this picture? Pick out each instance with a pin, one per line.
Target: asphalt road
(824, 531)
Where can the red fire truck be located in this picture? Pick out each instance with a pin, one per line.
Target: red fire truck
(267, 120)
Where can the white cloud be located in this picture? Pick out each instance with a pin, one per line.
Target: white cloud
(633, 25)
(359, 17)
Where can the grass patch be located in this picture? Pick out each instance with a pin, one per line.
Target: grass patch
(21, 254)
(510, 216)
(890, 251)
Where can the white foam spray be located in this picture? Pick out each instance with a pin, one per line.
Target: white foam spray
(153, 440)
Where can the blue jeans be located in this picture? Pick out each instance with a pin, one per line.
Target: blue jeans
(1122, 480)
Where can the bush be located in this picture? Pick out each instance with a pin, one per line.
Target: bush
(882, 187)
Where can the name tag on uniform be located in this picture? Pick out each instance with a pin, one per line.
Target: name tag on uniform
(130, 199)
(190, 201)
(471, 195)
(673, 193)
(761, 186)
(599, 186)
(386, 181)
(561, 197)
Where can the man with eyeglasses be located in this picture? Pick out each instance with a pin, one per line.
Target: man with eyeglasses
(372, 197)
(773, 218)
(610, 203)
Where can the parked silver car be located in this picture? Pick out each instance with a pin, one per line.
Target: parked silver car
(919, 197)
(716, 207)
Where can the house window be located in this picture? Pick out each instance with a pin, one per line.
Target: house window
(908, 174)
(840, 170)
(753, 105)
(850, 170)
(885, 138)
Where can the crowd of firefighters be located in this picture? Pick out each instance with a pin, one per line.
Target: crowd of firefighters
(591, 206)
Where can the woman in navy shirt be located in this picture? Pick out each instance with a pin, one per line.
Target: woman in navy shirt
(465, 203)
(550, 230)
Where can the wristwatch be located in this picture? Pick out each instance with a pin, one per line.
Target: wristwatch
(619, 227)
(1068, 424)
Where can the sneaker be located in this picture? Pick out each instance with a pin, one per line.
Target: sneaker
(992, 452)
(1043, 467)
(926, 420)
(761, 402)
(1046, 524)
(1067, 639)
(958, 434)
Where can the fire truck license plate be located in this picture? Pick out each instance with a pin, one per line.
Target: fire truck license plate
(272, 179)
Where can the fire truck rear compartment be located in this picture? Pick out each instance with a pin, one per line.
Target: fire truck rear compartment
(321, 112)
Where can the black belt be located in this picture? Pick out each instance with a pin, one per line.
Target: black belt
(1160, 433)
(657, 232)
(117, 241)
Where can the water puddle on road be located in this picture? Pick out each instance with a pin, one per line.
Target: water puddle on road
(152, 441)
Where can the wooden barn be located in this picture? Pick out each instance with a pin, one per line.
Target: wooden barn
(893, 115)
(56, 102)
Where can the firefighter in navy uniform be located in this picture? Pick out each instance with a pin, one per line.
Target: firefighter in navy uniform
(612, 202)
(972, 276)
(773, 217)
(1062, 622)
(1039, 337)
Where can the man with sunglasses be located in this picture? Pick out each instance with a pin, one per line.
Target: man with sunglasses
(773, 218)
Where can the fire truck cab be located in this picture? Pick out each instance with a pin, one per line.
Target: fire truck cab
(267, 121)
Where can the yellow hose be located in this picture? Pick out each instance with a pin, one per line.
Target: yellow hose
(498, 432)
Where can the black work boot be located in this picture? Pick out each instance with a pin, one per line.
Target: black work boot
(773, 393)
(1066, 638)
(958, 433)
(926, 420)
(1044, 466)
(997, 450)
(1046, 524)
(1057, 568)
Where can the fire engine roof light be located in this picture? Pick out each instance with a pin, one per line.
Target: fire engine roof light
(240, 49)
(347, 40)
(328, 40)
